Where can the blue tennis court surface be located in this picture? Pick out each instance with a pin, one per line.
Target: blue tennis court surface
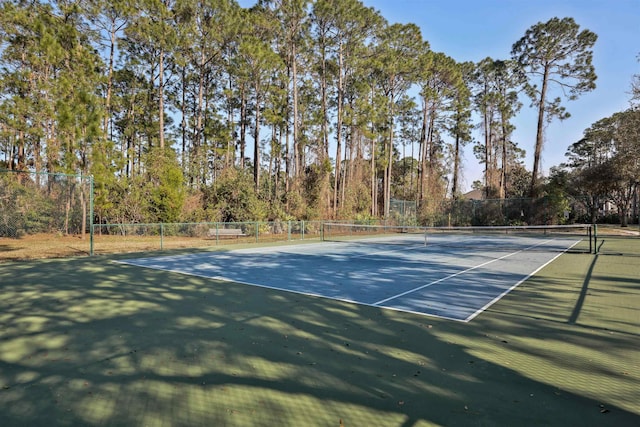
(452, 283)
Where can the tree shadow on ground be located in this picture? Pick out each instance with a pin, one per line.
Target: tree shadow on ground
(90, 342)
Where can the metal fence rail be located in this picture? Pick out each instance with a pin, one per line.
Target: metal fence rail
(110, 238)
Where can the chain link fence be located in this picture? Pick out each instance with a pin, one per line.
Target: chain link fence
(112, 238)
(505, 212)
(49, 215)
(403, 212)
(44, 203)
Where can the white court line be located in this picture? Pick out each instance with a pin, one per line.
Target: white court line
(457, 274)
(493, 301)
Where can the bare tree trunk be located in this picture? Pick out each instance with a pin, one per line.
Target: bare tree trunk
(243, 125)
(487, 153)
(21, 161)
(374, 180)
(323, 95)
(503, 169)
(338, 132)
(231, 152)
(539, 135)
(422, 175)
(294, 89)
(161, 99)
(197, 132)
(256, 145)
(387, 183)
(183, 124)
(387, 178)
(107, 112)
(279, 165)
(456, 167)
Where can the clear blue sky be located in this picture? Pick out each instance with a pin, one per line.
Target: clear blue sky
(470, 30)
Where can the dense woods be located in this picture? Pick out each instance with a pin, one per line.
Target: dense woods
(200, 110)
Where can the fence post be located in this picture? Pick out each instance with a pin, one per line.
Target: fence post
(289, 230)
(161, 236)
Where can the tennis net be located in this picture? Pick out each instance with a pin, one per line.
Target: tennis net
(555, 238)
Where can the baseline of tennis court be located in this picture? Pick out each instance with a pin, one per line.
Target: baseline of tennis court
(449, 282)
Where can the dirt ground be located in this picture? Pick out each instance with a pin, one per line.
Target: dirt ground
(42, 246)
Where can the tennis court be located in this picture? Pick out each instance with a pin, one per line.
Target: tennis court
(90, 341)
(454, 277)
